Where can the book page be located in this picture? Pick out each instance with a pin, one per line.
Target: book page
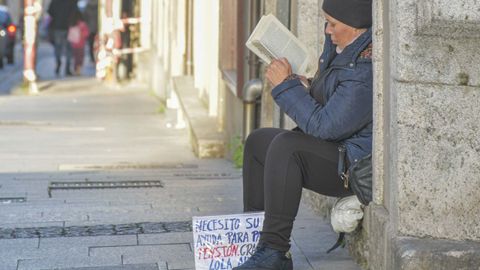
(263, 49)
(275, 40)
(295, 55)
(271, 39)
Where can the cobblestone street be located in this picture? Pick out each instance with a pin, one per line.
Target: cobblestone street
(96, 178)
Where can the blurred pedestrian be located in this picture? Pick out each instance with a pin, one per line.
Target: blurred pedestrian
(77, 37)
(61, 12)
(91, 17)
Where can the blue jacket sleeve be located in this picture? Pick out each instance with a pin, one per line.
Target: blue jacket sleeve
(347, 111)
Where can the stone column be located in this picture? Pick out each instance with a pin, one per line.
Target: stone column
(426, 206)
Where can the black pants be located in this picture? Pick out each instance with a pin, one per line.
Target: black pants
(91, 45)
(277, 164)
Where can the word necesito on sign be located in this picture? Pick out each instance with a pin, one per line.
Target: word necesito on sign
(224, 242)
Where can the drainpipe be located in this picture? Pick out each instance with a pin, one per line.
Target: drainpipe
(251, 91)
(240, 51)
(254, 16)
(253, 88)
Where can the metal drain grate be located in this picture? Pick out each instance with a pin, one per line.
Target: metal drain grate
(102, 185)
(8, 200)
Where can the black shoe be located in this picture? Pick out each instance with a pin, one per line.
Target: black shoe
(68, 73)
(266, 258)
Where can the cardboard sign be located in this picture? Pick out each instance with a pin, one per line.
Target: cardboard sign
(224, 242)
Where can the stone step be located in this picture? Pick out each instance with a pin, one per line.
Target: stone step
(204, 138)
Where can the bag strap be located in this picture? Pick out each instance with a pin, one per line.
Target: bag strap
(340, 242)
(342, 168)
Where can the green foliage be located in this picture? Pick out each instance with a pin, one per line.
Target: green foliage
(21, 89)
(152, 93)
(24, 87)
(161, 108)
(236, 148)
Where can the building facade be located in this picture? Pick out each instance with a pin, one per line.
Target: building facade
(426, 63)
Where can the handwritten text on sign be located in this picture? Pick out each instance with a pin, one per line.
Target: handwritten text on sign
(224, 242)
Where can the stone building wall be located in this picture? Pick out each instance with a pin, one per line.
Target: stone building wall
(426, 152)
(435, 88)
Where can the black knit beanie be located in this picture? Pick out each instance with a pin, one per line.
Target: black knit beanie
(355, 13)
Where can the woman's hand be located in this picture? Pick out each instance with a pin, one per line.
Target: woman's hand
(277, 71)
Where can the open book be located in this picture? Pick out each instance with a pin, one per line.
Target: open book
(271, 39)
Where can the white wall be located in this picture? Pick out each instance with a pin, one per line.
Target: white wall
(206, 52)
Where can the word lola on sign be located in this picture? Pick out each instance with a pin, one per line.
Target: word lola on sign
(224, 242)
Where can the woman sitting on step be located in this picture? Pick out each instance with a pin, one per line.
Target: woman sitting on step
(334, 110)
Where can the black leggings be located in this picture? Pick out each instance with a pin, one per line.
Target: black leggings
(277, 164)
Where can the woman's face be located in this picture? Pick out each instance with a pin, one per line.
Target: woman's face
(342, 35)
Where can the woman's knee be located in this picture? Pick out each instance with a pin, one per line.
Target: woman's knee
(259, 139)
(287, 142)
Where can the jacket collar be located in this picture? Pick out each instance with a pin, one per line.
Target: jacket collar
(350, 54)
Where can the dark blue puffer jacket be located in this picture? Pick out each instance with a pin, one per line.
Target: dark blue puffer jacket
(338, 105)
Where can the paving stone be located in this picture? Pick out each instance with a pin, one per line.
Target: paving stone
(165, 238)
(299, 259)
(21, 244)
(153, 266)
(68, 261)
(12, 249)
(69, 213)
(7, 233)
(27, 215)
(181, 263)
(178, 255)
(66, 242)
(57, 248)
(19, 216)
(12, 266)
(159, 217)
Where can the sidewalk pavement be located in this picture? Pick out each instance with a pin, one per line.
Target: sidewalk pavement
(11, 76)
(79, 132)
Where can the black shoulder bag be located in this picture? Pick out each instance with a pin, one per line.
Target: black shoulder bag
(359, 178)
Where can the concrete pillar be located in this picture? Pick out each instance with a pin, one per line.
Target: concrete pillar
(426, 146)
